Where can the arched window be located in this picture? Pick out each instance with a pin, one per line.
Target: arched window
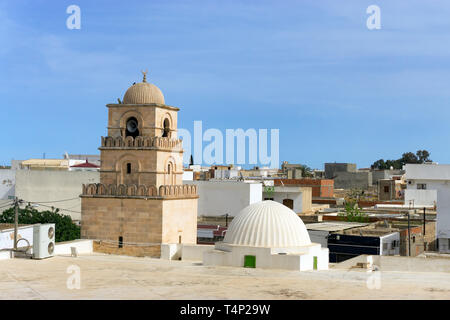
(166, 125)
(132, 128)
(170, 173)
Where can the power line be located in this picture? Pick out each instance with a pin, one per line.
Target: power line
(54, 201)
(8, 205)
(53, 207)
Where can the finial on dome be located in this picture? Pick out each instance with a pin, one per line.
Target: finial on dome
(145, 76)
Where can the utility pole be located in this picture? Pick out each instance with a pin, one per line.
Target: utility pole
(424, 219)
(16, 221)
(409, 235)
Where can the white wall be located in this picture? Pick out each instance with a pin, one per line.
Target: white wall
(83, 247)
(7, 237)
(53, 185)
(7, 183)
(217, 198)
(194, 252)
(421, 198)
(188, 175)
(268, 257)
(389, 239)
(282, 193)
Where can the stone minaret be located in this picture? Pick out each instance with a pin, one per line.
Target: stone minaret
(142, 146)
(140, 202)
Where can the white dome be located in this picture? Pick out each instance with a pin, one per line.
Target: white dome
(267, 224)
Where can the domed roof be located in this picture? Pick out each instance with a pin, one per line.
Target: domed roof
(143, 93)
(267, 224)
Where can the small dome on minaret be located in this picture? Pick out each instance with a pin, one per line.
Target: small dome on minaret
(143, 93)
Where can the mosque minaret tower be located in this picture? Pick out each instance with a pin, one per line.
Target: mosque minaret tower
(140, 202)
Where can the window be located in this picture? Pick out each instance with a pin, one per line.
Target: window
(166, 128)
(120, 242)
(422, 186)
(386, 189)
(128, 168)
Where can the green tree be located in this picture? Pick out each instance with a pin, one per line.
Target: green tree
(306, 171)
(409, 157)
(353, 213)
(423, 156)
(379, 164)
(65, 229)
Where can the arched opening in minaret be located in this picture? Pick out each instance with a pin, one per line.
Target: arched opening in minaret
(166, 131)
(132, 128)
(170, 174)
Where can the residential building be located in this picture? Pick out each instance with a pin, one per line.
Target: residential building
(346, 176)
(321, 188)
(218, 198)
(429, 184)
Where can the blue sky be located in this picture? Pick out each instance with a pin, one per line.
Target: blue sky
(336, 90)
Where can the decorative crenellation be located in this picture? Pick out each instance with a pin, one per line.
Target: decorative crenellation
(142, 142)
(123, 190)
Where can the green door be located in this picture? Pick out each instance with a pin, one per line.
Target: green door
(249, 261)
(315, 263)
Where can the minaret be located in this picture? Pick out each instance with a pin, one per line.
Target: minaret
(140, 203)
(141, 147)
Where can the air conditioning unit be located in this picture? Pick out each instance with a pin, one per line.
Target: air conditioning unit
(43, 240)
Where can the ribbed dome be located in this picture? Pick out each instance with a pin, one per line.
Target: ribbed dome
(143, 93)
(267, 224)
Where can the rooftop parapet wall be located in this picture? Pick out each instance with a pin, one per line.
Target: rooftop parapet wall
(141, 142)
(139, 191)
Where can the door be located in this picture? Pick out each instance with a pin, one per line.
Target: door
(249, 261)
(289, 203)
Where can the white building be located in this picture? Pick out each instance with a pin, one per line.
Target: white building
(7, 184)
(268, 234)
(428, 183)
(221, 197)
(57, 188)
(296, 198)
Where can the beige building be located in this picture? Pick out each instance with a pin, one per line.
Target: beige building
(140, 202)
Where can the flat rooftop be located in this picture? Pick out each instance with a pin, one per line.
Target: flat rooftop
(333, 226)
(122, 277)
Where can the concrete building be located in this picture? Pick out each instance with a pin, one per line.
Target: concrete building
(292, 170)
(220, 197)
(320, 231)
(45, 164)
(346, 176)
(378, 175)
(267, 235)
(386, 190)
(321, 188)
(7, 184)
(54, 188)
(298, 199)
(428, 184)
(140, 202)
